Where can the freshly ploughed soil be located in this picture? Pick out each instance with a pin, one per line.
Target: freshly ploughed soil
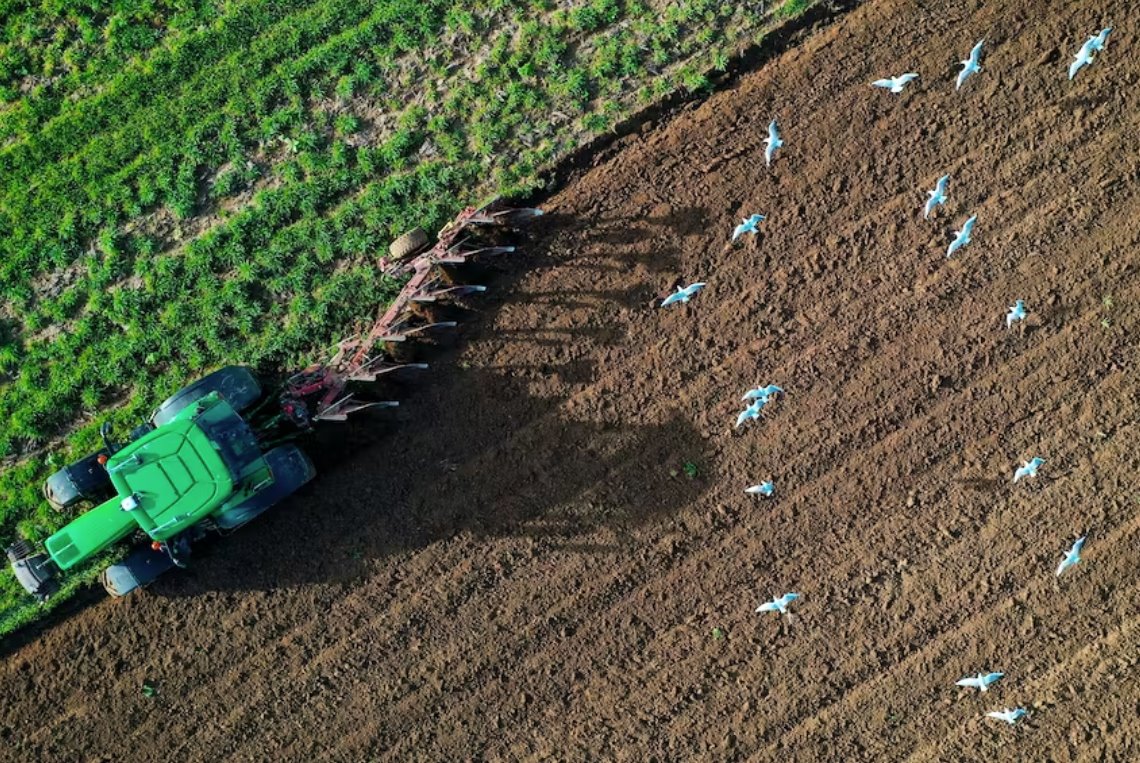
(518, 565)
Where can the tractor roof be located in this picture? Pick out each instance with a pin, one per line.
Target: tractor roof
(175, 474)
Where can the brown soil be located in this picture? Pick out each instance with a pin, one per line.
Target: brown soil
(518, 568)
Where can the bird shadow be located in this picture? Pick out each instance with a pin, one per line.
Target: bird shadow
(981, 484)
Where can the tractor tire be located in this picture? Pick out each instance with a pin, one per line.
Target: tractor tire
(291, 470)
(85, 480)
(236, 384)
(21, 549)
(408, 244)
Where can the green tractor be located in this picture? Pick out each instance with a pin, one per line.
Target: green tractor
(197, 466)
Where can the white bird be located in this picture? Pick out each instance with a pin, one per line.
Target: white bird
(1083, 58)
(961, 237)
(683, 295)
(1028, 468)
(765, 489)
(1010, 716)
(937, 196)
(751, 412)
(1015, 314)
(981, 681)
(748, 225)
(773, 142)
(763, 393)
(970, 65)
(778, 605)
(1100, 40)
(895, 84)
(1072, 556)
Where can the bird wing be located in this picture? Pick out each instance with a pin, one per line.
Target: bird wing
(887, 83)
(905, 78)
(773, 132)
(1001, 716)
(969, 682)
(989, 678)
(940, 186)
(768, 606)
(1080, 543)
(962, 76)
(976, 51)
(742, 417)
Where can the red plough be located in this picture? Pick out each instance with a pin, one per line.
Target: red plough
(320, 392)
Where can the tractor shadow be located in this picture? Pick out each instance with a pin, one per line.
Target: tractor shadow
(484, 451)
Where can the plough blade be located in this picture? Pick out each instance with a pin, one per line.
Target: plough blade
(371, 374)
(322, 388)
(461, 257)
(340, 411)
(433, 296)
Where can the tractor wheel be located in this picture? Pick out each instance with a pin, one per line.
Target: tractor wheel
(290, 468)
(408, 244)
(21, 549)
(236, 384)
(85, 480)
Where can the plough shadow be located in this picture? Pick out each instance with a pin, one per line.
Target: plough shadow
(470, 452)
(619, 242)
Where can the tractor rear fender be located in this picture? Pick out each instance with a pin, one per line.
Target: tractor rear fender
(290, 468)
(236, 384)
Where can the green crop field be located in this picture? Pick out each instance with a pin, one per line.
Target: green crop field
(185, 183)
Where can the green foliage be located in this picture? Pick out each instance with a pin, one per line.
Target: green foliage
(792, 8)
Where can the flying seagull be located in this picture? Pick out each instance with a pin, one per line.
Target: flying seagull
(765, 489)
(763, 393)
(683, 295)
(773, 142)
(981, 681)
(1028, 468)
(895, 84)
(1100, 40)
(937, 196)
(961, 237)
(1072, 556)
(1084, 57)
(1015, 314)
(778, 605)
(970, 65)
(1009, 716)
(751, 412)
(748, 225)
